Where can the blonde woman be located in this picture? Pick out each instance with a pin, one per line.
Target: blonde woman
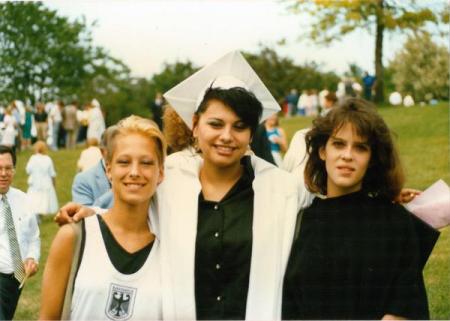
(119, 273)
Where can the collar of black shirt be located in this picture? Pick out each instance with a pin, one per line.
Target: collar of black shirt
(244, 183)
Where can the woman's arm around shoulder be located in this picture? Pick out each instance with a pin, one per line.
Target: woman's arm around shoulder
(296, 153)
(56, 274)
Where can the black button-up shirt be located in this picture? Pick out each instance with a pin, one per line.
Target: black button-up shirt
(223, 251)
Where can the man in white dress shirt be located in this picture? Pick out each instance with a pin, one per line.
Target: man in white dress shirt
(19, 237)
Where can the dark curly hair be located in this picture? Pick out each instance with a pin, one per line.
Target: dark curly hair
(384, 176)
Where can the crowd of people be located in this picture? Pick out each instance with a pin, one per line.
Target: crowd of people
(51, 126)
(58, 125)
(311, 102)
(214, 232)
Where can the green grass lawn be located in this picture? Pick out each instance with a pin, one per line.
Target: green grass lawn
(423, 141)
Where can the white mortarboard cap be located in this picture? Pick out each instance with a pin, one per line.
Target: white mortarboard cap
(232, 70)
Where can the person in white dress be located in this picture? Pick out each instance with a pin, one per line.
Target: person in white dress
(41, 181)
(96, 125)
(9, 131)
(302, 103)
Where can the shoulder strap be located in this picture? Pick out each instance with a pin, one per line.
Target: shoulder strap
(65, 315)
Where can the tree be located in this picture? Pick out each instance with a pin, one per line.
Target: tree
(334, 19)
(422, 68)
(45, 56)
(354, 71)
(171, 75)
(280, 74)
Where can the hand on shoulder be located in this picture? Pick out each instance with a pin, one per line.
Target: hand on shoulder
(72, 213)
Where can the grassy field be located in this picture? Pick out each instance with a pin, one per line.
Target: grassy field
(423, 140)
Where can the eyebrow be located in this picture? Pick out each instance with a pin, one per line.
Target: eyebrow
(150, 158)
(223, 121)
(366, 142)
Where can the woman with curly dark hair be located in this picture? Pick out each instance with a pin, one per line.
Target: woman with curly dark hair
(357, 254)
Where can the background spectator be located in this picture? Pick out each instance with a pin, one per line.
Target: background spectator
(9, 128)
(26, 128)
(96, 122)
(90, 156)
(23, 230)
(157, 110)
(40, 119)
(70, 124)
(277, 138)
(83, 122)
(55, 117)
(368, 83)
(292, 101)
(41, 181)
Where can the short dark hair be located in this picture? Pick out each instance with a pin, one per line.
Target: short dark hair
(384, 176)
(8, 150)
(243, 102)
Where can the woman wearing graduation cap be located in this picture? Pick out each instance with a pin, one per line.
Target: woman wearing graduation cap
(226, 218)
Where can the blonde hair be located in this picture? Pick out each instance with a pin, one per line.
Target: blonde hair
(40, 147)
(139, 125)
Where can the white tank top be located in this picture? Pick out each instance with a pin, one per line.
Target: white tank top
(103, 293)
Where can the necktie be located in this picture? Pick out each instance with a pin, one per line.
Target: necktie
(19, 271)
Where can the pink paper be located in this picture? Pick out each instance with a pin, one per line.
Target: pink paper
(433, 205)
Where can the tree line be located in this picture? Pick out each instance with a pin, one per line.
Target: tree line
(45, 56)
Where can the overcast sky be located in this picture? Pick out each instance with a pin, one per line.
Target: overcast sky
(145, 34)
